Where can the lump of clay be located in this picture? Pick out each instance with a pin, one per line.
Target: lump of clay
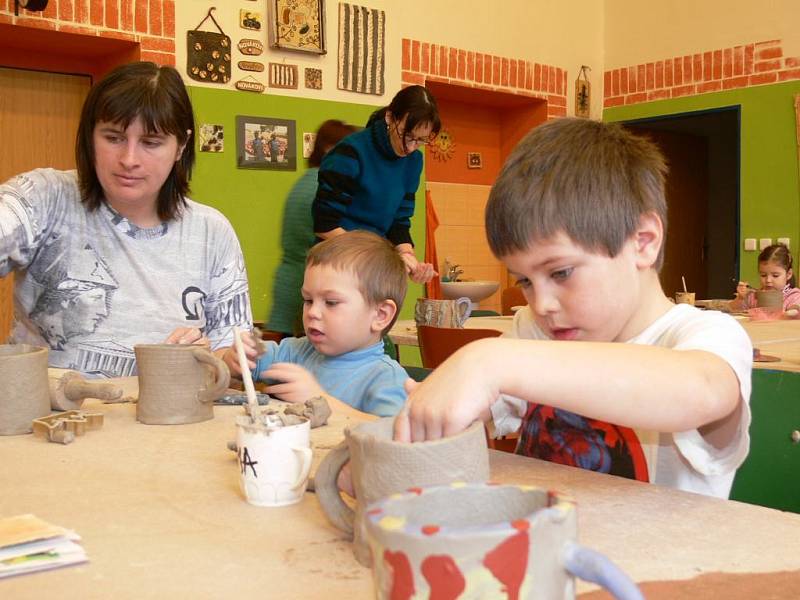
(315, 410)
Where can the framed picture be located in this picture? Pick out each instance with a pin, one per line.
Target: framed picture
(297, 25)
(474, 160)
(264, 143)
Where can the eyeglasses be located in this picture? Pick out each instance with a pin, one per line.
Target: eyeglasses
(408, 140)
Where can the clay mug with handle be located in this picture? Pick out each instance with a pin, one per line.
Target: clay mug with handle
(381, 466)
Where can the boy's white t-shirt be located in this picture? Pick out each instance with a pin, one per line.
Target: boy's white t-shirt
(683, 460)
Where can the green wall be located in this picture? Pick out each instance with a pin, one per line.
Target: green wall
(253, 199)
(769, 158)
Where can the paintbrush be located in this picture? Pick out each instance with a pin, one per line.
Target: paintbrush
(247, 377)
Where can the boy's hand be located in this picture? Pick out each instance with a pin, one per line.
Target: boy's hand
(450, 399)
(297, 384)
(231, 357)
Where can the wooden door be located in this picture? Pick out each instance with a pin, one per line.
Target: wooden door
(39, 115)
(687, 202)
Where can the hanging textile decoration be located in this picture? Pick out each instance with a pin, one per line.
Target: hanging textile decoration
(361, 49)
(208, 53)
(582, 93)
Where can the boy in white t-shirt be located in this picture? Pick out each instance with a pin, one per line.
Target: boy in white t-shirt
(578, 215)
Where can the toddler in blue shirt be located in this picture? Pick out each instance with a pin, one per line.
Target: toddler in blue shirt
(353, 289)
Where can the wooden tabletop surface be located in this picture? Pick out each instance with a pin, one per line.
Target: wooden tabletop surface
(779, 338)
(161, 516)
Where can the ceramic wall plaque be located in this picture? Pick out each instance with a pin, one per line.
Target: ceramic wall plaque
(251, 65)
(250, 47)
(250, 19)
(250, 85)
(313, 78)
(283, 76)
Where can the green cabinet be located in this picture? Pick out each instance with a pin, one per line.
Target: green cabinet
(771, 474)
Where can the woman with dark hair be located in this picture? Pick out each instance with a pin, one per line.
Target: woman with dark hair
(120, 233)
(369, 180)
(297, 235)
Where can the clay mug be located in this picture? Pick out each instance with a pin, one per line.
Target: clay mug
(25, 394)
(442, 313)
(274, 462)
(380, 466)
(483, 541)
(684, 298)
(178, 383)
(769, 300)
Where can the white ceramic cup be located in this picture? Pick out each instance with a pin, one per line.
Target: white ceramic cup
(273, 462)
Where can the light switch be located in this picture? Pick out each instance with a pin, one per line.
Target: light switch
(764, 242)
(750, 244)
(784, 241)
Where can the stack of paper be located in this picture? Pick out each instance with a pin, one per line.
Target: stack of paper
(29, 544)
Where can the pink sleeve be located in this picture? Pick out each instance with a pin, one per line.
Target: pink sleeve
(791, 297)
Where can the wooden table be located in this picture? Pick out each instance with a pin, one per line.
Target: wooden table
(404, 333)
(779, 338)
(161, 516)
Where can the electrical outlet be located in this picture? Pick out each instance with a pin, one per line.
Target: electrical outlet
(784, 241)
(750, 244)
(764, 242)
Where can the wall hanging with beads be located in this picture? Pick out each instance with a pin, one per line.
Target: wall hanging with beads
(443, 146)
(208, 53)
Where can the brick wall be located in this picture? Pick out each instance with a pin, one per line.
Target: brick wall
(151, 23)
(423, 62)
(761, 63)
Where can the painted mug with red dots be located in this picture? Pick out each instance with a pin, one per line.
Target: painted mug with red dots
(483, 540)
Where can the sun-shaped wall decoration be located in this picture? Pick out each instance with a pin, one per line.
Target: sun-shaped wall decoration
(443, 146)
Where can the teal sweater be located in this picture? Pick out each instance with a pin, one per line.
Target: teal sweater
(363, 184)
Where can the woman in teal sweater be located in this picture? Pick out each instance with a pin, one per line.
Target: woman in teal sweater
(297, 235)
(370, 178)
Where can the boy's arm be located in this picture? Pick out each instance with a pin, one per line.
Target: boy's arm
(637, 386)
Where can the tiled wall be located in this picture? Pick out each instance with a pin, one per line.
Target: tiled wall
(461, 237)
(149, 22)
(761, 63)
(423, 62)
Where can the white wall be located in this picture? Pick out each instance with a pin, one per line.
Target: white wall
(638, 32)
(562, 34)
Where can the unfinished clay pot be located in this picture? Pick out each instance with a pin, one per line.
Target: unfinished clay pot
(483, 541)
(771, 300)
(178, 384)
(380, 466)
(442, 313)
(24, 390)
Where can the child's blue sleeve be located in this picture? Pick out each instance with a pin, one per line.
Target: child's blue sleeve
(386, 395)
(271, 355)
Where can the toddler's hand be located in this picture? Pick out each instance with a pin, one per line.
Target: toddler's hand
(231, 356)
(296, 383)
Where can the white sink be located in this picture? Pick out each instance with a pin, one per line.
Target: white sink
(474, 290)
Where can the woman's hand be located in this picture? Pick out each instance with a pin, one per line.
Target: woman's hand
(417, 271)
(188, 335)
(296, 384)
